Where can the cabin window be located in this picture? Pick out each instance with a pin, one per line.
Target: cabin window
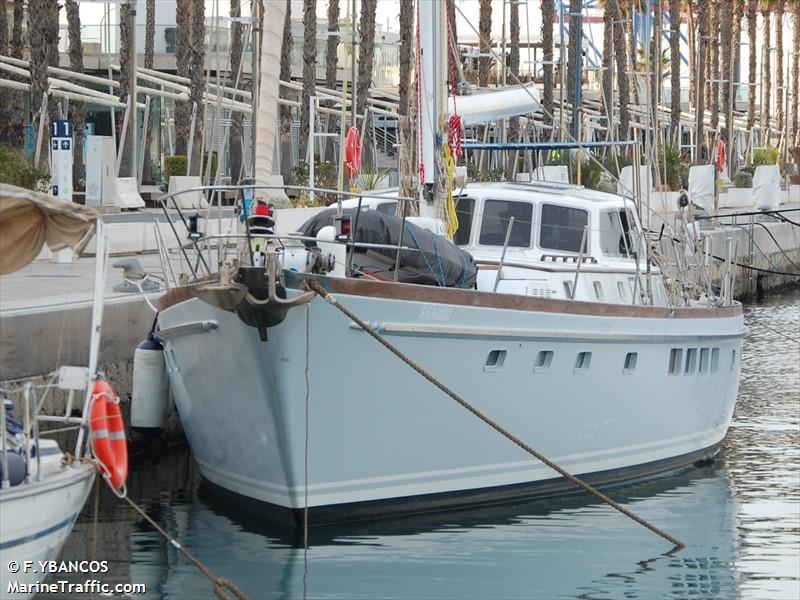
(387, 208)
(465, 208)
(562, 228)
(495, 360)
(615, 233)
(691, 361)
(631, 358)
(568, 290)
(733, 359)
(714, 360)
(582, 362)
(598, 290)
(496, 217)
(544, 358)
(621, 290)
(705, 354)
(675, 359)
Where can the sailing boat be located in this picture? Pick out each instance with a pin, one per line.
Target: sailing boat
(554, 332)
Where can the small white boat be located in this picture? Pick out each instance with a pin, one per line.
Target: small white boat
(42, 488)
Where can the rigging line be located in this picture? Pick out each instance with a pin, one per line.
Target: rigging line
(314, 286)
(527, 91)
(220, 583)
(752, 268)
(794, 264)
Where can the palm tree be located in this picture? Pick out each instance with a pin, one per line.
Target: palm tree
(513, 60)
(407, 145)
(702, 35)
(77, 109)
(309, 70)
(608, 61)
(779, 7)
(41, 39)
(366, 54)
(126, 33)
(3, 30)
(796, 77)
(452, 42)
(675, 72)
(4, 93)
(623, 83)
(332, 48)
(548, 15)
(14, 125)
(656, 68)
(752, 22)
(574, 58)
(183, 43)
(237, 119)
(726, 54)
(485, 42)
(713, 77)
(149, 49)
(766, 102)
(197, 83)
(285, 111)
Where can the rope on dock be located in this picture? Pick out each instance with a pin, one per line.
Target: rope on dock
(220, 583)
(322, 292)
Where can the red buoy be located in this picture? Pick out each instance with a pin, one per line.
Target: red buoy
(109, 445)
(353, 153)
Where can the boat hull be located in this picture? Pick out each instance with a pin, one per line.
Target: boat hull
(35, 520)
(320, 415)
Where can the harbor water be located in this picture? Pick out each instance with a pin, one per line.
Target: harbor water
(739, 519)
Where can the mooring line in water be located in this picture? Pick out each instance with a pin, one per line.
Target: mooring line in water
(323, 293)
(220, 583)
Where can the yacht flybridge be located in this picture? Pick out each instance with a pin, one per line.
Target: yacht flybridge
(544, 309)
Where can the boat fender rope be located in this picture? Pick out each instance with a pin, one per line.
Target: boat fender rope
(316, 287)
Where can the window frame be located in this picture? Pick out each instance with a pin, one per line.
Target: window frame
(587, 249)
(532, 237)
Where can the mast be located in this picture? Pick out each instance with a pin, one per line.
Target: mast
(432, 75)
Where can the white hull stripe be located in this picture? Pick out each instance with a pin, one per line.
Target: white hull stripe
(35, 536)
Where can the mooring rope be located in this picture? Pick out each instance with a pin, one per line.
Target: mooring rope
(220, 583)
(323, 293)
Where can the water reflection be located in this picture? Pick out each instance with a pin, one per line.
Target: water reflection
(740, 519)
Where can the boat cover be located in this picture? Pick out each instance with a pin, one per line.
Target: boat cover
(432, 259)
(30, 219)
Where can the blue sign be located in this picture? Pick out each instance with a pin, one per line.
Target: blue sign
(60, 128)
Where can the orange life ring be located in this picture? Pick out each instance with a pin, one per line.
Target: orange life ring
(353, 153)
(108, 435)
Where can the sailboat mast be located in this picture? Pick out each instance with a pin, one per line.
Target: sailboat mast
(432, 75)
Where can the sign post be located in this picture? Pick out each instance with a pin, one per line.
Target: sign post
(61, 142)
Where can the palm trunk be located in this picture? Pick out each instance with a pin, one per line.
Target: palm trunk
(675, 72)
(548, 14)
(574, 54)
(484, 44)
(126, 34)
(780, 8)
(627, 9)
(43, 36)
(657, 70)
(623, 83)
(149, 51)
(452, 43)
(796, 77)
(77, 109)
(608, 61)
(309, 71)
(183, 45)
(16, 99)
(726, 54)
(766, 103)
(331, 64)
(752, 22)
(285, 112)
(513, 65)
(702, 34)
(5, 93)
(713, 68)
(237, 118)
(406, 52)
(197, 83)
(366, 54)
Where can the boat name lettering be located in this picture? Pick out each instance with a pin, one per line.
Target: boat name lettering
(436, 313)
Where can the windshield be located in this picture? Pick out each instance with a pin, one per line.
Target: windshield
(618, 233)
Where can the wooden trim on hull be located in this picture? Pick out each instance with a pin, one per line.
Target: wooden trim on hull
(464, 499)
(461, 297)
